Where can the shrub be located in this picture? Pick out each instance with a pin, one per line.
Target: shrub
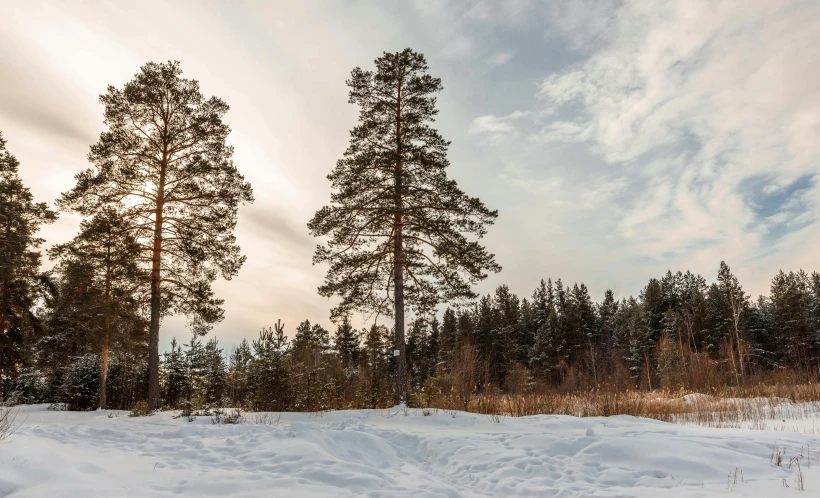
(140, 409)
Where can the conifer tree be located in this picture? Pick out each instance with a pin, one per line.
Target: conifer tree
(308, 385)
(418, 347)
(239, 373)
(609, 344)
(20, 219)
(215, 372)
(586, 327)
(693, 309)
(737, 303)
(346, 343)
(175, 375)
(313, 338)
(164, 156)
(449, 336)
(375, 369)
(107, 253)
(269, 375)
(434, 344)
(396, 224)
(194, 369)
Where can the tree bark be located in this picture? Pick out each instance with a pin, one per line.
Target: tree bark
(104, 367)
(106, 336)
(154, 402)
(153, 330)
(401, 360)
(5, 297)
(398, 265)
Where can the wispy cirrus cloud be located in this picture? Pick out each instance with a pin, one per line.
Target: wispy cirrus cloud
(699, 108)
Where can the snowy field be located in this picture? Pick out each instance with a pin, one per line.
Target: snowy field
(396, 453)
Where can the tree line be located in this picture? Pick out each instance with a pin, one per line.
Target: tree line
(679, 333)
(400, 239)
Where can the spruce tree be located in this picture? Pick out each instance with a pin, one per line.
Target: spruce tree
(693, 309)
(175, 375)
(20, 219)
(791, 307)
(418, 345)
(433, 345)
(607, 311)
(449, 336)
(164, 157)
(346, 343)
(396, 224)
(215, 372)
(737, 303)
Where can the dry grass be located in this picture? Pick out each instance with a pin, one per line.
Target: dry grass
(760, 406)
(7, 425)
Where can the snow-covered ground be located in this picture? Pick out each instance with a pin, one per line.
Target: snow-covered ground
(395, 453)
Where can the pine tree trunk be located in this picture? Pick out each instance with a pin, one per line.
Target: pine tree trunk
(106, 336)
(153, 331)
(401, 360)
(398, 266)
(5, 297)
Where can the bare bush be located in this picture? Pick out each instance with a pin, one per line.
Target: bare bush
(266, 418)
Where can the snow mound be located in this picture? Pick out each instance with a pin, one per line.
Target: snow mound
(387, 453)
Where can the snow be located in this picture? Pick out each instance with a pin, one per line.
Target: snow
(395, 453)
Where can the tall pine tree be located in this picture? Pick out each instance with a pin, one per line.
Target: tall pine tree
(165, 157)
(396, 223)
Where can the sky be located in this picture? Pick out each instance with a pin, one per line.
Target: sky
(618, 140)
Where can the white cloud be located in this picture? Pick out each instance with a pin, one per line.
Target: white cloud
(494, 126)
(689, 98)
(490, 124)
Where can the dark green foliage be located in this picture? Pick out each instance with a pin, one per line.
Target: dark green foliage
(793, 311)
(194, 354)
(174, 376)
(20, 279)
(269, 372)
(346, 343)
(214, 377)
(311, 339)
(418, 353)
(81, 383)
(448, 340)
(375, 370)
(238, 374)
